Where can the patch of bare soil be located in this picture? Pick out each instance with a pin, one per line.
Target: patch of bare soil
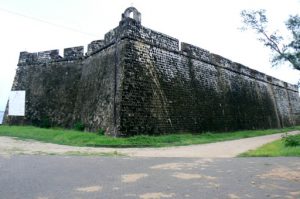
(89, 189)
(233, 196)
(177, 166)
(191, 176)
(129, 178)
(295, 193)
(157, 195)
(272, 187)
(283, 173)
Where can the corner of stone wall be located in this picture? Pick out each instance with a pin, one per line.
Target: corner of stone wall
(27, 58)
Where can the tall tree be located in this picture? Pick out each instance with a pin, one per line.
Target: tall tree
(289, 52)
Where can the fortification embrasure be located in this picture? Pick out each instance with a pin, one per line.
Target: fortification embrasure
(137, 81)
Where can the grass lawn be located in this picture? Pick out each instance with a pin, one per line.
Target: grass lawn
(274, 149)
(76, 138)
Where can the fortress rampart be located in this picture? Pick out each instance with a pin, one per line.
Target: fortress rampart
(138, 81)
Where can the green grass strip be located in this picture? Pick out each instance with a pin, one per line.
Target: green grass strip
(274, 149)
(76, 138)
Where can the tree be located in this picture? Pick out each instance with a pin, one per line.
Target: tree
(290, 52)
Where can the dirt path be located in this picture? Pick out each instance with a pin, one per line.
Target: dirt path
(10, 146)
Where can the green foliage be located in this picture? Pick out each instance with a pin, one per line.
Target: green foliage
(101, 131)
(290, 140)
(284, 52)
(293, 24)
(76, 138)
(79, 126)
(43, 123)
(275, 149)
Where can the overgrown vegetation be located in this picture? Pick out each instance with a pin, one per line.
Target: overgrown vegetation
(76, 138)
(290, 140)
(288, 146)
(42, 123)
(79, 126)
(101, 131)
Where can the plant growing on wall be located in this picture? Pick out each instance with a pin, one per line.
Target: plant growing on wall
(101, 131)
(79, 126)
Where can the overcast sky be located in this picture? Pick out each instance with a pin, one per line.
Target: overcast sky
(35, 25)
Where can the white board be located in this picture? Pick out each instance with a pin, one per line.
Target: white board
(16, 105)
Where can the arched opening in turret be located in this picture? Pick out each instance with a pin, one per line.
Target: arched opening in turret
(132, 13)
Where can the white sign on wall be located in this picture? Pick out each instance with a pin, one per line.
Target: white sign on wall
(16, 104)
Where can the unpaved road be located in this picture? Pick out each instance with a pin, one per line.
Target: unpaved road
(10, 146)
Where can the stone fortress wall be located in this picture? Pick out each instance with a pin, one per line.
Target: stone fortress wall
(138, 81)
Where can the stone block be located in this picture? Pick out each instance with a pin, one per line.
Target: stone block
(27, 58)
(221, 61)
(196, 52)
(73, 53)
(94, 46)
(47, 56)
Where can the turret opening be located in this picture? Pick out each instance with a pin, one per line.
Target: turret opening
(132, 13)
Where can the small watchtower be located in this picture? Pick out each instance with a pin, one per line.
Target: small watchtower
(135, 12)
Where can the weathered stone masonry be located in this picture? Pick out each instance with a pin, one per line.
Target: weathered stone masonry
(137, 81)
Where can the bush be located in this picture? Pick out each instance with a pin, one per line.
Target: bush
(290, 140)
(101, 131)
(79, 126)
(42, 123)
(45, 123)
